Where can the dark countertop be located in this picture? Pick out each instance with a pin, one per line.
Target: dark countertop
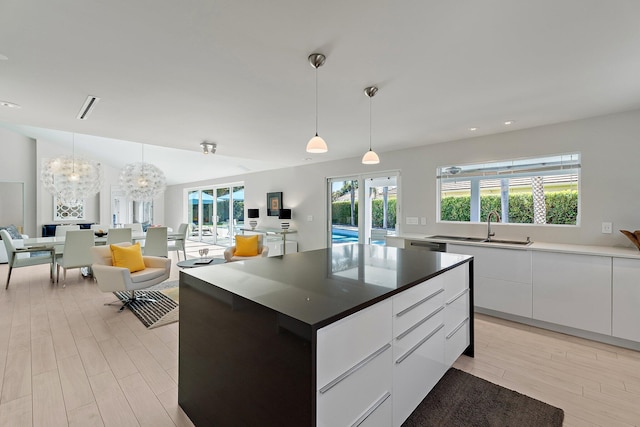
(319, 287)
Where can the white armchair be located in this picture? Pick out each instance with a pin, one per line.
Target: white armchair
(230, 252)
(18, 243)
(119, 279)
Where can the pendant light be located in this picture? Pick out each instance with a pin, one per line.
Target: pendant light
(71, 179)
(142, 181)
(370, 157)
(317, 144)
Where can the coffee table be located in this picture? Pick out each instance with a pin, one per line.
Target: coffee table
(197, 262)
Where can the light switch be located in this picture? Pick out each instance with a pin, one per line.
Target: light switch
(607, 227)
(423, 221)
(309, 217)
(412, 220)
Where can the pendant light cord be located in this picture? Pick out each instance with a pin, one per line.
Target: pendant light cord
(316, 101)
(370, 101)
(73, 154)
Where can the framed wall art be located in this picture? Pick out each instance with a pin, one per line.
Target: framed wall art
(274, 203)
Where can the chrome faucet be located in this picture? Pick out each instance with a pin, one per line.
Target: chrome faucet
(490, 234)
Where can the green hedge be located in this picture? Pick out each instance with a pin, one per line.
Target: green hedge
(562, 207)
(341, 213)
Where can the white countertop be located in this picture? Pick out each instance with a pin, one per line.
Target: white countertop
(612, 251)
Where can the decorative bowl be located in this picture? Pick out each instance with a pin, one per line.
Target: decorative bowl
(100, 233)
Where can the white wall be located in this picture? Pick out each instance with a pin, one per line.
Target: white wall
(18, 165)
(609, 187)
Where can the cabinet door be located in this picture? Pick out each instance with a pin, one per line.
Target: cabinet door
(573, 290)
(626, 298)
(513, 265)
(502, 278)
(503, 295)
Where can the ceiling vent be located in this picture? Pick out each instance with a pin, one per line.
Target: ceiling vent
(87, 107)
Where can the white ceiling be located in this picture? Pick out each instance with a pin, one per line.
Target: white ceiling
(173, 74)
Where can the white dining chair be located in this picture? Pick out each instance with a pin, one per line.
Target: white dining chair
(156, 242)
(178, 242)
(61, 230)
(21, 257)
(118, 235)
(76, 252)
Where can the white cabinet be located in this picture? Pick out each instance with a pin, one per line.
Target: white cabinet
(502, 278)
(573, 290)
(353, 367)
(374, 367)
(626, 299)
(418, 345)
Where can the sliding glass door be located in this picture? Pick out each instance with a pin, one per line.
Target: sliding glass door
(362, 208)
(214, 212)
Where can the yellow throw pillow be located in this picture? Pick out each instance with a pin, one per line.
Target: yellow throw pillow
(246, 245)
(127, 257)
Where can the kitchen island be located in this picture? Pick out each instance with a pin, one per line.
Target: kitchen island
(353, 335)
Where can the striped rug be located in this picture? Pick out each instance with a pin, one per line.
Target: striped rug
(153, 314)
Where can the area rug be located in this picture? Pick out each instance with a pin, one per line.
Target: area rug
(463, 400)
(153, 314)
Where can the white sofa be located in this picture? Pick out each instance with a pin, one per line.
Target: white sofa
(3, 250)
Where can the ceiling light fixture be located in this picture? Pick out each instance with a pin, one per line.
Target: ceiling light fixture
(142, 181)
(473, 129)
(87, 107)
(370, 157)
(317, 144)
(208, 147)
(71, 179)
(9, 104)
(509, 122)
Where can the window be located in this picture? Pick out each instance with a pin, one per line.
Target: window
(543, 190)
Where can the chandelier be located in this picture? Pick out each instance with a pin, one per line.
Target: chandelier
(71, 179)
(142, 181)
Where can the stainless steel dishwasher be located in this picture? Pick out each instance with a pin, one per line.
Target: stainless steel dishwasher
(427, 246)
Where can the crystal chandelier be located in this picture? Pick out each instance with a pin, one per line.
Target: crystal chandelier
(142, 181)
(71, 179)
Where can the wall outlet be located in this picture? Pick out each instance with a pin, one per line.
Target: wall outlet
(309, 217)
(423, 221)
(412, 220)
(607, 227)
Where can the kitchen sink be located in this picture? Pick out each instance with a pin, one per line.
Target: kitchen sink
(459, 238)
(509, 242)
(482, 240)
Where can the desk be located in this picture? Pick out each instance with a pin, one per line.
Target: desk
(271, 232)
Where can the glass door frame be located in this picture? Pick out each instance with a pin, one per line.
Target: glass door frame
(364, 203)
(211, 191)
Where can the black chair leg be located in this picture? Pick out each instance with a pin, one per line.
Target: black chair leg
(8, 277)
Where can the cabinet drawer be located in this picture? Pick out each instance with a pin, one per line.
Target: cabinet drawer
(455, 281)
(456, 341)
(417, 295)
(423, 308)
(456, 310)
(412, 336)
(417, 373)
(344, 402)
(343, 344)
(379, 413)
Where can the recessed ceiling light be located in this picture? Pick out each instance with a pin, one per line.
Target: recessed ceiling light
(473, 129)
(509, 122)
(9, 104)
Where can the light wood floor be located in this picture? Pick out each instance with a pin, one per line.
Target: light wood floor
(66, 359)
